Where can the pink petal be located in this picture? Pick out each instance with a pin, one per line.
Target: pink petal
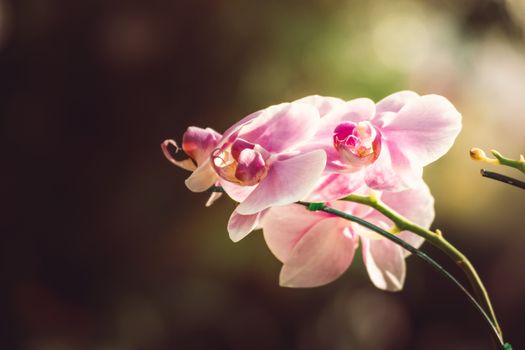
(202, 178)
(416, 204)
(333, 159)
(359, 210)
(336, 186)
(186, 164)
(199, 143)
(412, 239)
(424, 129)
(236, 192)
(287, 181)
(385, 263)
(213, 197)
(395, 101)
(355, 110)
(237, 126)
(322, 255)
(284, 226)
(239, 226)
(323, 104)
(282, 126)
(392, 171)
(371, 215)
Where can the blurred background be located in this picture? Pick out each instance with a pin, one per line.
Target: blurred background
(103, 247)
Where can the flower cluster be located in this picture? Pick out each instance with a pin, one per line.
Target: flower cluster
(321, 149)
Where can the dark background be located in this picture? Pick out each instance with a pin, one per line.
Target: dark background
(104, 248)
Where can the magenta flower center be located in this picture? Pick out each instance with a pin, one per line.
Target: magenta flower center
(242, 163)
(358, 144)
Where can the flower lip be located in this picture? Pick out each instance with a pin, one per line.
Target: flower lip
(240, 145)
(241, 162)
(251, 167)
(358, 144)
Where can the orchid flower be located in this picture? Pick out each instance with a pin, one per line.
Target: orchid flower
(198, 145)
(276, 156)
(259, 162)
(316, 247)
(386, 145)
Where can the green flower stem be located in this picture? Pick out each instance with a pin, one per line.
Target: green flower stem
(479, 154)
(513, 163)
(436, 239)
(321, 207)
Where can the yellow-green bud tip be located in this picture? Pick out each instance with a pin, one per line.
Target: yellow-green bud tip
(477, 154)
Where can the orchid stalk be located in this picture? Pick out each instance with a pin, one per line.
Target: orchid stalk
(502, 178)
(437, 239)
(489, 319)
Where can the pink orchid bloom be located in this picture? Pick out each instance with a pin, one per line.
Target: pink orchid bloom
(316, 248)
(331, 185)
(386, 145)
(198, 145)
(260, 164)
